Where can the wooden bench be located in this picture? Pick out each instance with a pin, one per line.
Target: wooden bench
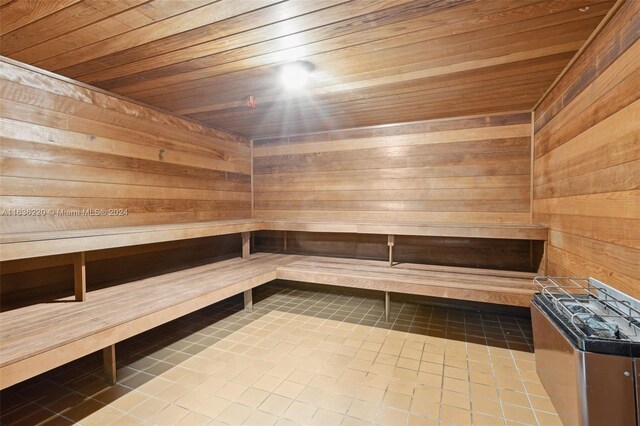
(37, 338)
(481, 285)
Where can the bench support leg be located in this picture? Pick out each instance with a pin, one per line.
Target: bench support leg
(387, 305)
(80, 277)
(246, 247)
(391, 242)
(248, 300)
(109, 359)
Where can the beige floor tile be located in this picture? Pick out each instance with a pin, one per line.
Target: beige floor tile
(461, 386)
(129, 420)
(260, 418)
(519, 414)
(301, 376)
(454, 415)
(149, 408)
(346, 386)
(388, 416)
(102, 416)
(397, 400)
(429, 379)
(371, 394)
(514, 385)
(171, 415)
(129, 400)
(300, 412)
(248, 377)
(268, 383)
(195, 419)
(337, 403)
(548, 419)
(376, 381)
(487, 406)
(514, 398)
(231, 391)
(289, 389)
(324, 417)
(172, 393)
(460, 400)
(417, 420)
(539, 403)
(486, 420)
(363, 410)
(432, 368)
(353, 421)
(331, 370)
(323, 382)
(253, 397)
(313, 395)
(483, 392)
(234, 414)
(408, 363)
(275, 404)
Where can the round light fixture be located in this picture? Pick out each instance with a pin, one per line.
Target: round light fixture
(295, 75)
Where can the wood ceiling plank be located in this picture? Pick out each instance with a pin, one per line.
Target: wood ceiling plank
(377, 62)
(336, 74)
(326, 24)
(63, 21)
(221, 10)
(139, 16)
(23, 12)
(361, 42)
(276, 20)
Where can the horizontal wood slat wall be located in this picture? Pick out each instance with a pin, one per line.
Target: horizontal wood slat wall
(587, 159)
(66, 146)
(472, 170)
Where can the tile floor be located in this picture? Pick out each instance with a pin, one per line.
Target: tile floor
(303, 357)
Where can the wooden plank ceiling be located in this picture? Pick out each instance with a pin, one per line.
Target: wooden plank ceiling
(376, 61)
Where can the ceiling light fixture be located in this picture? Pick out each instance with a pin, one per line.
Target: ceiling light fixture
(295, 75)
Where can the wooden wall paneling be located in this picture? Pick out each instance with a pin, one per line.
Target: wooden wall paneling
(471, 171)
(587, 169)
(66, 147)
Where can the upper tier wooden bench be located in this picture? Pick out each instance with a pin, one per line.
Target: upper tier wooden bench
(37, 338)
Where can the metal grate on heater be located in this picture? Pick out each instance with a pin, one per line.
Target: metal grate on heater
(593, 308)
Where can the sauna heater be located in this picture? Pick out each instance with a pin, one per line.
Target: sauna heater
(587, 345)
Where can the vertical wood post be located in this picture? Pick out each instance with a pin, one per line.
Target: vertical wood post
(391, 243)
(80, 277)
(387, 305)
(109, 360)
(246, 247)
(285, 241)
(248, 300)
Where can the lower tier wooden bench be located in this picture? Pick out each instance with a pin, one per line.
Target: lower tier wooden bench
(479, 285)
(37, 338)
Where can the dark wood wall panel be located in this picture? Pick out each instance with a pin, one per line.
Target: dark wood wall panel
(587, 159)
(514, 255)
(473, 170)
(66, 147)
